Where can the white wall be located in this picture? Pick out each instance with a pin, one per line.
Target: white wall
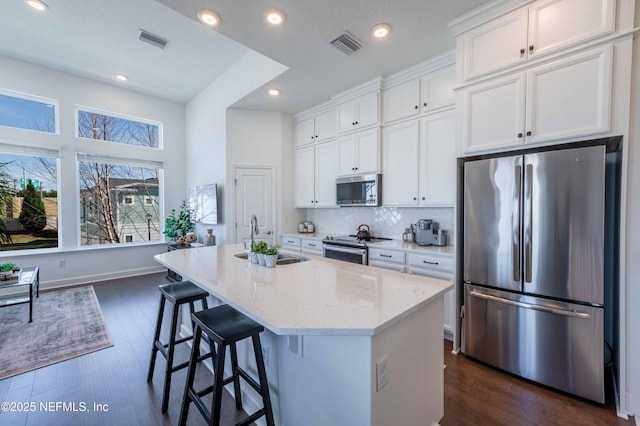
(206, 131)
(91, 264)
(260, 138)
(632, 232)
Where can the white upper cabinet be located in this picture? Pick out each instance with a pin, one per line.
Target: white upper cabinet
(566, 98)
(544, 27)
(429, 93)
(315, 175)
(317, 129)
(554, 24)
(359, 113)
(419, 162)
(496, 45)
(359, 152)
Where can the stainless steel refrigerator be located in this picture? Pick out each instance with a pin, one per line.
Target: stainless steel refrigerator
(534, 241)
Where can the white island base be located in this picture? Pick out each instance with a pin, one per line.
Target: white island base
(332, 356)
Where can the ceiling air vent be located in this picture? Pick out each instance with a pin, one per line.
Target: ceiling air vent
(152, 39)
(347, 43)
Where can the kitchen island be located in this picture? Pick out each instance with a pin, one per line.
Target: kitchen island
(345, 344)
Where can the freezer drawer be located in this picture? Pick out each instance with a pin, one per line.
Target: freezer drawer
(553, 343)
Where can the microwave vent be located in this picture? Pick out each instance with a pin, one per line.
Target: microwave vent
(347, 43)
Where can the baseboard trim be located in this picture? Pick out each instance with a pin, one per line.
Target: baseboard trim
(97, 278)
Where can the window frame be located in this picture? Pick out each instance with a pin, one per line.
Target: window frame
(121, 116)
(38, 99)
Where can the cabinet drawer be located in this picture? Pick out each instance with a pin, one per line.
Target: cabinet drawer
(312, 245)
(387, 256)
(290, 241)
(387, 265)
(435, 263)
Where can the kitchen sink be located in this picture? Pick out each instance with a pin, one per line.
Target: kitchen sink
(283, 259)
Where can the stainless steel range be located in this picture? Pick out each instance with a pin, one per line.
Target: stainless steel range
(348, 248)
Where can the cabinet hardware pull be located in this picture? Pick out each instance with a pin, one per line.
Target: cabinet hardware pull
(429, 263)
(519, 135)
(311, 245)
(423, 198)
(356, 122)
(522, 51)
(416, 107)
(529, 133)
(414, 198)
(425, 104)
(531, 48)
(385, 255)
(311, 137)
(290, 241)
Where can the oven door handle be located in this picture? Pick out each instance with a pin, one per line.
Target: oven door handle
(344, 249)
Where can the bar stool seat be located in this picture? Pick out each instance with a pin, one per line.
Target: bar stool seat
(184, 292)
(224, 326)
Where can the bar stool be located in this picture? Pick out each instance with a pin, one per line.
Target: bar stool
(225, 326)
(177, 294)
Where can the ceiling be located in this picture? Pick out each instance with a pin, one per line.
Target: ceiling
(97, 39)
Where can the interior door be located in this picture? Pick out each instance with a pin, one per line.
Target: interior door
(492, 234)
(254, 194)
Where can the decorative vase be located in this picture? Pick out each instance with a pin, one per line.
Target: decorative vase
(261, 258)
(270, 260)
(253, 257)
(209, 239)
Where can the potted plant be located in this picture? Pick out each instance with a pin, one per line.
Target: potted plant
(179, 223)
(259, 249)
(271, 256)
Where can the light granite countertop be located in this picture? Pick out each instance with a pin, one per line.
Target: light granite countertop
(317, 297)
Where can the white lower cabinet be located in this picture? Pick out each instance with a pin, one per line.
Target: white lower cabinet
(311, 246)
(388, 259)
(290, 243)
(435, 266)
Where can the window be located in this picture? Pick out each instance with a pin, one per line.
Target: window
(28, 112)
(94, 124)
(28, 198)
(117, 188)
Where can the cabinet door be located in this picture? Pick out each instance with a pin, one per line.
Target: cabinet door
(556, 24)
(326, 171)
(400, 164)
(493, 114)
(304, 172)
(367, 155)
(326, 126)
(495, 45)
(367, 110)
(401, 101)
(436, 90)
(449, 301)
(305, 132)
(347, 155)
(438, 160)
(570, 97)
(346, 116)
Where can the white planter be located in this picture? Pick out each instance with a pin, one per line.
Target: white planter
(261, 258)
(270, 260)
(253, 257)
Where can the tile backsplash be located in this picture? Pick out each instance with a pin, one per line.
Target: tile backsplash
(387, 222)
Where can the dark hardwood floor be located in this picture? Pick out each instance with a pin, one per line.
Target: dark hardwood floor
(475, 394)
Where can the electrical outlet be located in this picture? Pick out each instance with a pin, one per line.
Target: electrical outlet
(382, 373)
(62, 263)
(265, 356)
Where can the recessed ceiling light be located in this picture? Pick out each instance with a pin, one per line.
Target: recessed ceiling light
(37, 4)
(381, 30)
(122, 77)
(274, 92)
(209, 17)
(274, 16)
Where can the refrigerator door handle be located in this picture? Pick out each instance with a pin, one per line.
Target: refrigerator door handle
(528, 226)
(515, 221)
(542, 308)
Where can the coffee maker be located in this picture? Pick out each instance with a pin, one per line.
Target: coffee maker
(428, 233)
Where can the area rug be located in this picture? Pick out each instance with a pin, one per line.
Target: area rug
(66, 324)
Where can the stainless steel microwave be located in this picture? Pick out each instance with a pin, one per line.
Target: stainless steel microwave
(361, 190)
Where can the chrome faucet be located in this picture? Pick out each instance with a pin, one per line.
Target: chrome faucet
(253, 228)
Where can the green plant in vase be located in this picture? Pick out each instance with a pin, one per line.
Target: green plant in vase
(271, 256)
(179, 223)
